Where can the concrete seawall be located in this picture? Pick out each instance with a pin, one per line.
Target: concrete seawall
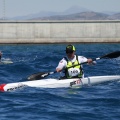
(59, 31)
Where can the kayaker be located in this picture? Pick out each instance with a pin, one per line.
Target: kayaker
(70, 60)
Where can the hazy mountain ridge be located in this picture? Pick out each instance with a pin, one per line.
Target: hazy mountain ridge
(115, 17)
(73, 13)
(82, 16)
(77, 16)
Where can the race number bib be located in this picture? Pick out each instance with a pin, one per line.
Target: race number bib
(73, 72)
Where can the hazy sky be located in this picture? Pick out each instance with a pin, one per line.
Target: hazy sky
(24, 7)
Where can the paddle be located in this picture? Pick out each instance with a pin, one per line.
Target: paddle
(40, 75)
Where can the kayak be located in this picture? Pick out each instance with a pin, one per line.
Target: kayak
(6, 62)
(56, 83)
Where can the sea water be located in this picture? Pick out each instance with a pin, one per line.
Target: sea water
(95, 102)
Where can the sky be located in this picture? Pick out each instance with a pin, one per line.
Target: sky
(25, 7)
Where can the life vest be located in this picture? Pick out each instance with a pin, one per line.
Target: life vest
(77, 66)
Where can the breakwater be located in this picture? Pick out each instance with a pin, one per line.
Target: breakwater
(59, 31)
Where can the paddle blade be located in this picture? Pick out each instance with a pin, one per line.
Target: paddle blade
(40, 75)
(111, 55)
(36, 76)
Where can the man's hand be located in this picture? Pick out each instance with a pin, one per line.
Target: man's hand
(58, 69)
(91, 62)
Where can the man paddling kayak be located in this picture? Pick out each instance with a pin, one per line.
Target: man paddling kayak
(72, 60)
(61, 64)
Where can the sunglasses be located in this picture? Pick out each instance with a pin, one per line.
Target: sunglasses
(69, 52)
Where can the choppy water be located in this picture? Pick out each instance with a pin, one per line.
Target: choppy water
(88, 103)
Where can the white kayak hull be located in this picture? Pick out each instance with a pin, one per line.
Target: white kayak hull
(6, 62)
(56, 83)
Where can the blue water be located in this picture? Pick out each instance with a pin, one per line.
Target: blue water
(96, 102)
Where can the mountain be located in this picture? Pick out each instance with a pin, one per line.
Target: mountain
(114, 17)
(73, 13)
(31, 16)
(77, 16)
(109, 12)
(72, 10)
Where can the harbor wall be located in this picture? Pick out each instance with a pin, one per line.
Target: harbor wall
(59, 31)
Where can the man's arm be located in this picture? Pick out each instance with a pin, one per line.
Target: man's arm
(61, 65)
